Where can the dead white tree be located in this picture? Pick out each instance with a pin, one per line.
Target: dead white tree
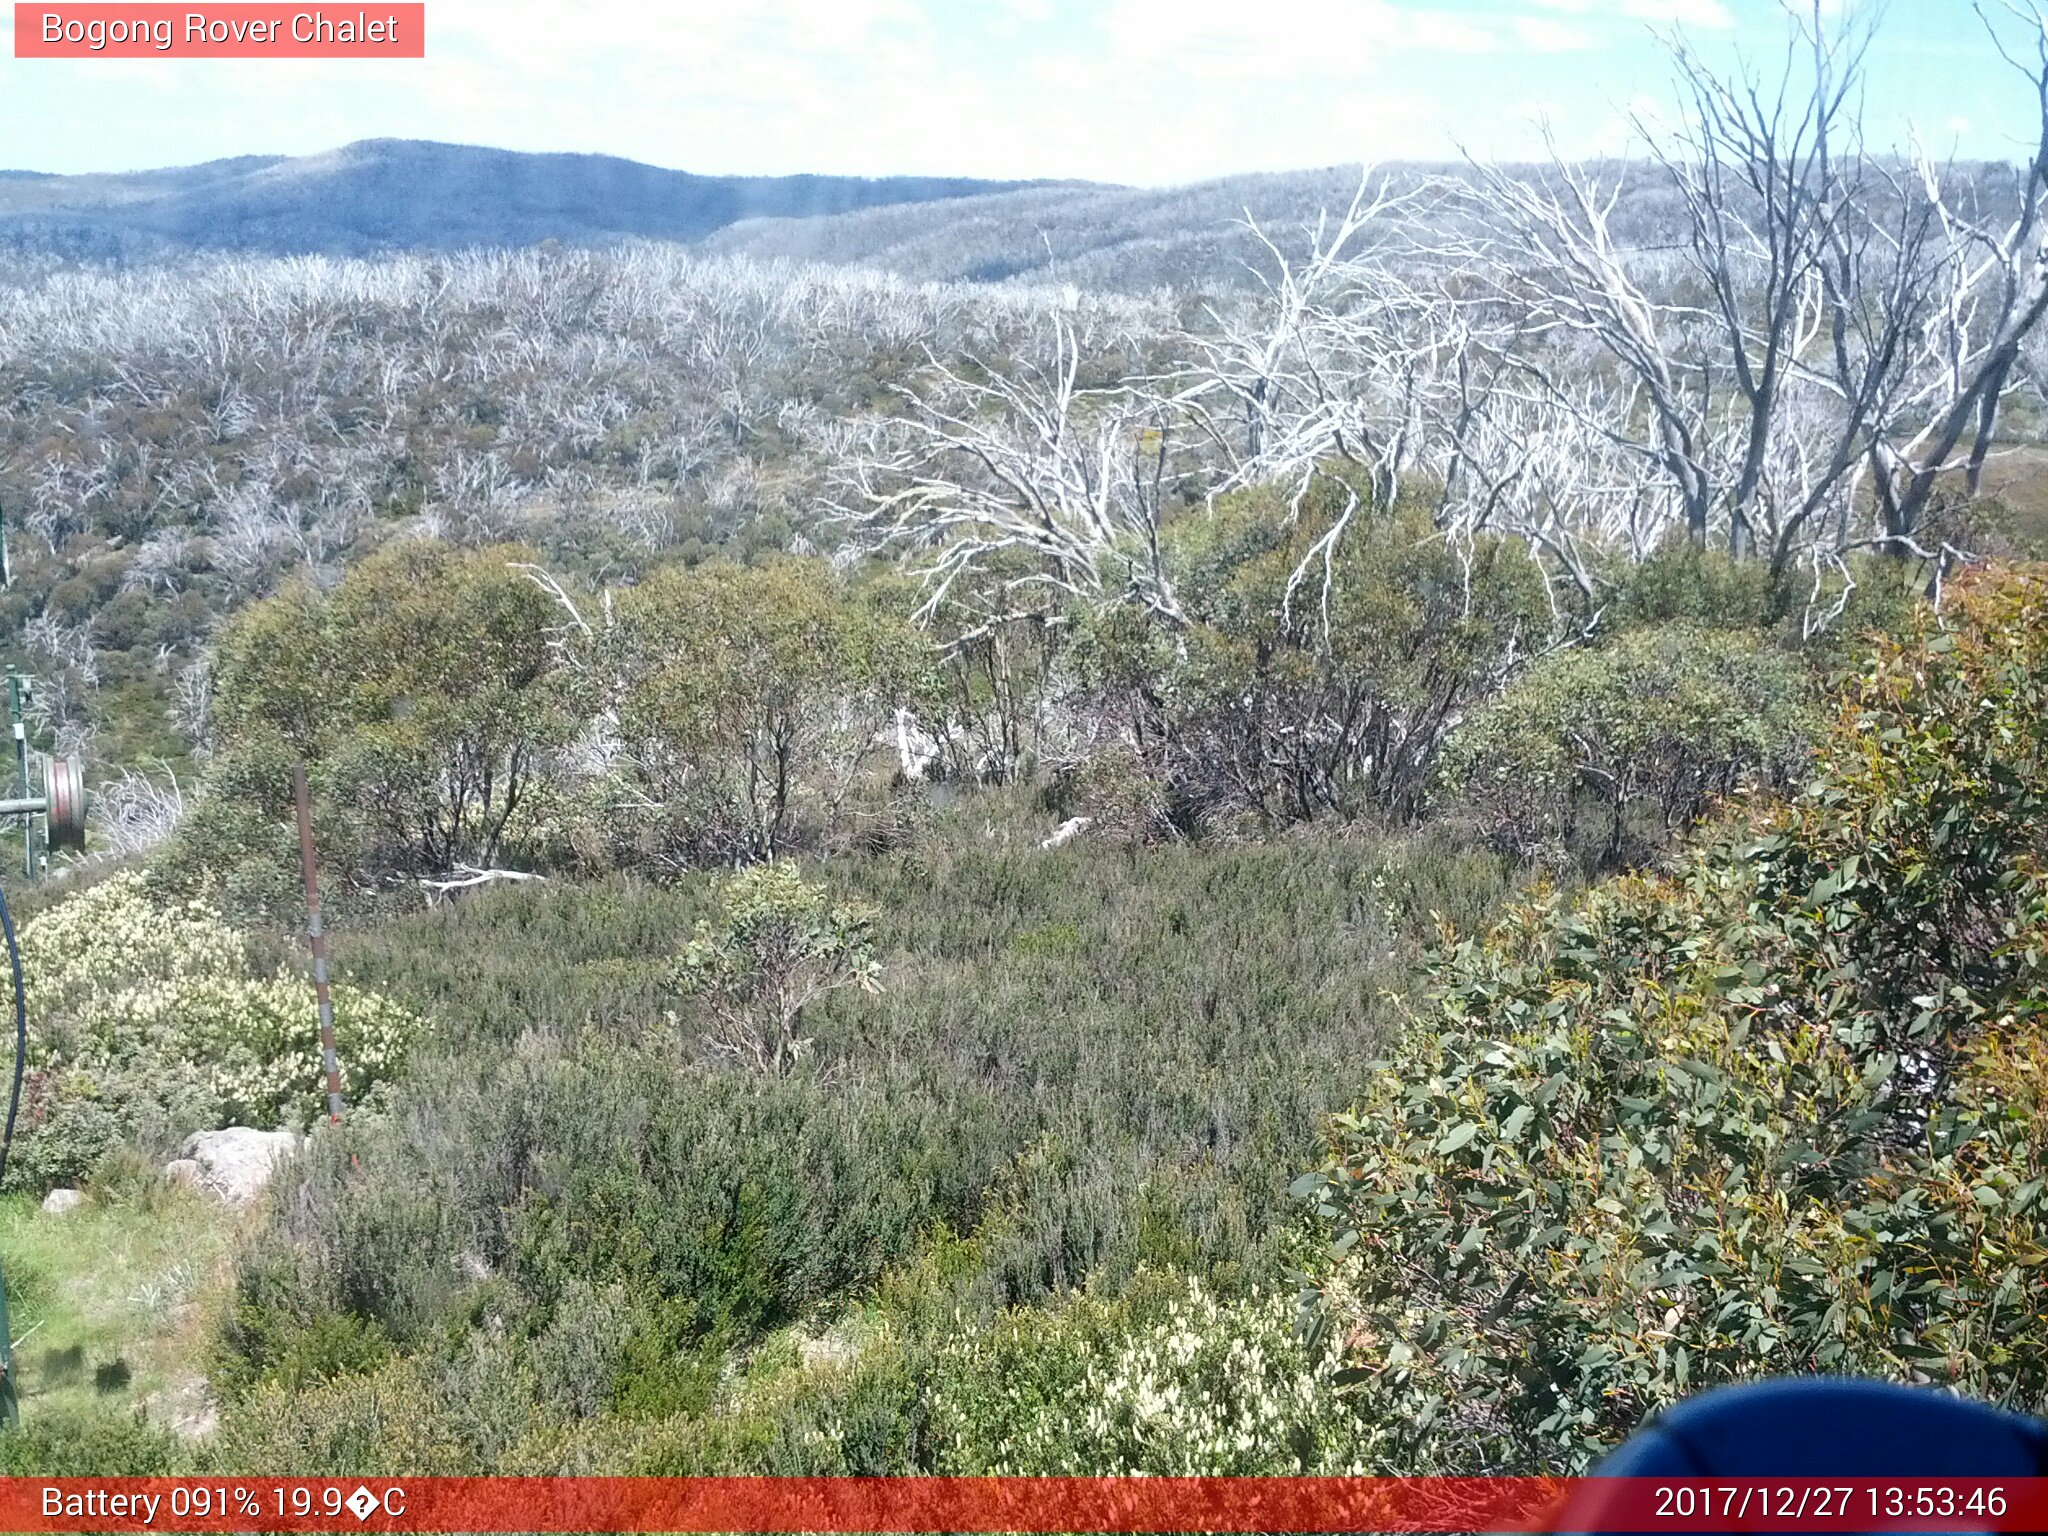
(1547, 253)
(469, 877)
(1836, 334)
(137, 812)
(1027, 481)
(1989, 292)
(1555, 480)
(1328, 365)
(1780, 201)
(1359, 361)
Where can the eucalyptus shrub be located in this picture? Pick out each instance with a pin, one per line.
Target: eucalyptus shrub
(1779, 1112)
(783, 945)
(1330, 647)
(422, 692)
(1610, 750)
(750, 702)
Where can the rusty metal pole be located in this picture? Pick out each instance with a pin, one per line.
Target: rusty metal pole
(318, 937)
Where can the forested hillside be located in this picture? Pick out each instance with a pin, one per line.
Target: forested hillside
(1382, 871)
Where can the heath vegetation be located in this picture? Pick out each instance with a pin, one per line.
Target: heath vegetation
(1382, 871)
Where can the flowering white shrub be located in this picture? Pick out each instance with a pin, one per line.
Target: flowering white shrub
(116, 934)
(1169, 1381)
(258, 1041)
(146, 1019)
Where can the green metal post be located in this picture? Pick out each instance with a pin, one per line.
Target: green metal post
(10, 1409)
(10, 1404)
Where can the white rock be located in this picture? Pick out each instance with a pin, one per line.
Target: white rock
(236, 1163)
(828, 1351)
(1068, 831)
(61, 1202)
(184, 1170)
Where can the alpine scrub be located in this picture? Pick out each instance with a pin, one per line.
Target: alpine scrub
(1777, 1112)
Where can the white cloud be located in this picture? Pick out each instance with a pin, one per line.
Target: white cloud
(1311, 37)
(1680, 13)
(1711, 14)
(1546, 34)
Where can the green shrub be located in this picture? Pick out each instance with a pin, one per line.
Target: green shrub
(1777, 1113)
(1167, 1379)
(1329, 649)
(1826, 615)
(749, 701)
(1134, 1092)
(1684, 582)
(90, 1445)
(233, 849)
(986, 704)
(779, 947)
(309, 1350)
(423, 692)
(1646, 731)
(395, 1421)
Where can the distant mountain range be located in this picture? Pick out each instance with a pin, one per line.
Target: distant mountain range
(407, 194)
(1189, 238)
(1088, 234)
(390, 194)
(400, 194)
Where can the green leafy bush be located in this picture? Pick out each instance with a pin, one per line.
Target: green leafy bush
(987, 706)
(749, 700)
(422, 690)
(1644, 733)
(1166, 1379)
(90, 1445)
(493, 1404)
(780, 946)
(1329, 649)
(1825, 615)
(1686, 582)
(1778, 1112)
(395, 1420)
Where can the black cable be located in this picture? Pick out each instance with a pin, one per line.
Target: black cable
(20, 1033)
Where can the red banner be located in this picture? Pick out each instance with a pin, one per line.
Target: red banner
(1078, 1504)
(233, 31)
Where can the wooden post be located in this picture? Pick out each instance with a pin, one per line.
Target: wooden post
(318, 937)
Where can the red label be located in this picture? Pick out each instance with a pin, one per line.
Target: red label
(235, 31)
(1677, 1506)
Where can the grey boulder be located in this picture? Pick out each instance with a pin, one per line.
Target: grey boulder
(234, 1164)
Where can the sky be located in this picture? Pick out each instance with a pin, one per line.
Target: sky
(1147, 92)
